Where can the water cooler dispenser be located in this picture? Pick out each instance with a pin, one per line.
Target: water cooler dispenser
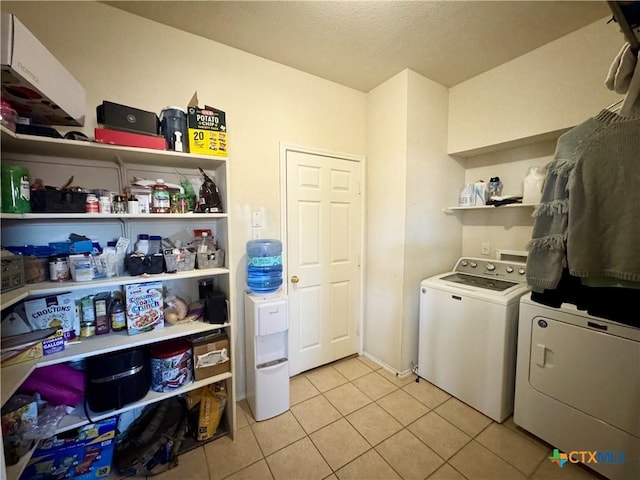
(267, 356)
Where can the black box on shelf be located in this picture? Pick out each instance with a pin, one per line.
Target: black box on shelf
(122, 117)
(53, 200)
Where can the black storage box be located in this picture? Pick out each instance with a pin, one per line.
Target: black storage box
(116, 379)
(215, 307)
(122, 117)
(139, 265)
(53, 200)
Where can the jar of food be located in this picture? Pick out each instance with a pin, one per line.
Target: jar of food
(104, 204)
(160, 198)
(59, 269)
(91, 204)
(119, 204)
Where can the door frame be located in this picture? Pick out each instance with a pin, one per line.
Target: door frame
(284, 149)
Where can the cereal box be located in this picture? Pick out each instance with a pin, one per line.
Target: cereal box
(144, 307)
(53, 311)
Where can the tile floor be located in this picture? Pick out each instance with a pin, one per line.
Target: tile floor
(354, 420)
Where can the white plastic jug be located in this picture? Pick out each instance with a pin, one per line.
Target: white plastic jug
(532, 185)
(466, 196)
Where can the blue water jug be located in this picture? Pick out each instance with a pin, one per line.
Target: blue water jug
(264, 265)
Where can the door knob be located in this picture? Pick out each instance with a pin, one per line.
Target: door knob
(294, 279)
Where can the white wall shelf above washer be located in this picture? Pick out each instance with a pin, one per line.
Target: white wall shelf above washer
(489, 207)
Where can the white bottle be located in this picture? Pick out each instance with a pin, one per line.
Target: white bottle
(142, 245)
(532, 185)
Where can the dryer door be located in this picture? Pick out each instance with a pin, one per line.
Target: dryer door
(591, 371)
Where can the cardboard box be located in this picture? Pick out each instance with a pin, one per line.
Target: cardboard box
(145, 307)
(34, 82)
(33, 350)
(127, 139)
(122, 117)
(52, 311)
(86, 455)
(207, 131)
(211, 355)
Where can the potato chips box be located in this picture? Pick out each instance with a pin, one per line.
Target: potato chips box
(207, 130)
(53, 311)
(144, 307)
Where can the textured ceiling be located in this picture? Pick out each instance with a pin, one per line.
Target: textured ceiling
(361, 44)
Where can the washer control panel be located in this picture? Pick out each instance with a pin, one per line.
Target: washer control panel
(510, 271)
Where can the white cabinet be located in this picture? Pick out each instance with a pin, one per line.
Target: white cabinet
(105, 166)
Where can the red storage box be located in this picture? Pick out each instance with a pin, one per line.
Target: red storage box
(127, 139)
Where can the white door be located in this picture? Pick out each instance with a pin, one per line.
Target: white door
(323, 249)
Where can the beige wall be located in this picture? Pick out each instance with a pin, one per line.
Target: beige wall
(508, 119)
(410, 178)
(386, 200)
(123, 58)
(551, 88)
(432, 240)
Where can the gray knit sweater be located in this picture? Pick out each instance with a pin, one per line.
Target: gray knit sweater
(597, 140)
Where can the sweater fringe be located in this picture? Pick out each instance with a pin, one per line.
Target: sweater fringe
(549, 242)
(561, 166)
(552, 208)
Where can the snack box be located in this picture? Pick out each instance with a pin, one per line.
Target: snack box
(144, 305)
(207, 130)
(57, 311)
(84, 455)
(34, 82)
(28, 350)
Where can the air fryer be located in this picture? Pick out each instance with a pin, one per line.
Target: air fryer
(116, 379)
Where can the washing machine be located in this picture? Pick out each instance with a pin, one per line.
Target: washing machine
(468, 332)
(578, 386)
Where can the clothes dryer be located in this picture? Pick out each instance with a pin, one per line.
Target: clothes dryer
(578, 386)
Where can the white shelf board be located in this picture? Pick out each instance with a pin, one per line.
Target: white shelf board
(14, 471)
(51, 288)
(115, 341)
(112, 216)
(46, 146)
(77, 418)
(489, 207)
(15, 375)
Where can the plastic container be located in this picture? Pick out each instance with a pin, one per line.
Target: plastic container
(16, 191)
(104, 204)
(171, 365)
(532, 185)
(119, 204)
(155, 244)
(466, 196)
(142, 245)
(173, 125)
(160, 198)
(494, 187)
(264, 265)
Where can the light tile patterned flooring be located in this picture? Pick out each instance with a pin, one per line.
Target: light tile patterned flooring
(354, 420)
